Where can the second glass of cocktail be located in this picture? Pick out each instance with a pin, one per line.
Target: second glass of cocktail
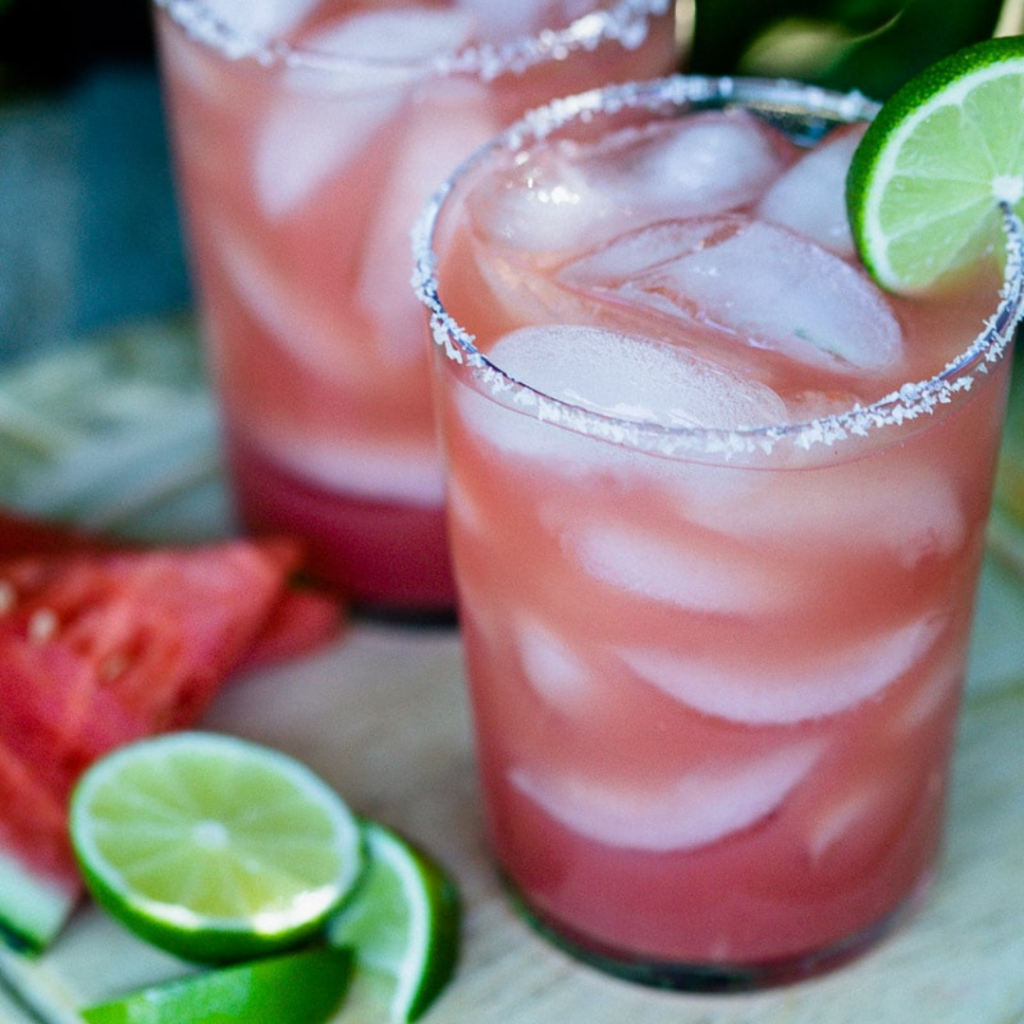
(307, 135)
(718, 506)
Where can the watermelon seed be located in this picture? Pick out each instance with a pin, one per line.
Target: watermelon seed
(115, 665)
(42, 626)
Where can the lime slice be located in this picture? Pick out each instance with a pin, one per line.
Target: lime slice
(927, 180)
(211, 847)
(403, 925)
(294, 988)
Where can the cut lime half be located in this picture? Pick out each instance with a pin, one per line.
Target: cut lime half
(927, 180)
(211, 847)
(402, 924)
(291, 988)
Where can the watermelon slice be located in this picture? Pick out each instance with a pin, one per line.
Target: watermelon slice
(303, 620)
(99, 647)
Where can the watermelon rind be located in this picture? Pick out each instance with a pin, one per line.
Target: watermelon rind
(33, 907)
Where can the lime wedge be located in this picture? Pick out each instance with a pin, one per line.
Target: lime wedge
(292, 988)
(927, 180)
(403, 925)
(211, 847)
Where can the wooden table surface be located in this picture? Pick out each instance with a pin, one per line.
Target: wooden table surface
(382, 716)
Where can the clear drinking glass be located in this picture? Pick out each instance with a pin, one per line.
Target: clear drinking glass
(307, 136)
(717, 508)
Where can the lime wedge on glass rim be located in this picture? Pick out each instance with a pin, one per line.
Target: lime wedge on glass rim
(930, 175)
(304, 987)
(402, 925)
(214, 848)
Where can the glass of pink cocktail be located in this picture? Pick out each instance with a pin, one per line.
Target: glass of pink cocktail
(717, 507)
(307, 135)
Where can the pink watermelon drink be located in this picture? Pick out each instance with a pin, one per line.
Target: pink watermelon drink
(716, 556)
(308, 134)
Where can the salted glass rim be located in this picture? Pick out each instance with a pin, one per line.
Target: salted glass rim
(908, 402)
(624, 21)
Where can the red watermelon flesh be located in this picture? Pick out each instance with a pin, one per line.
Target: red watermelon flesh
(301, 622)
(99, 647)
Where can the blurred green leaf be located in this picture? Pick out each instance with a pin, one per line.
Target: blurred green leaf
(870, 45)
(919, 36)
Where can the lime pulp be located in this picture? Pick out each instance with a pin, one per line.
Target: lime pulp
(213, 848)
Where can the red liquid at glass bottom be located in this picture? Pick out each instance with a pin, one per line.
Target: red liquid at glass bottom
(391, 561)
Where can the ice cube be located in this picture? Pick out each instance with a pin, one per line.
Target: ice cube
(310, 331)
(697, 577)
(543, 207)
(808, 404)
(521, 292)
(463, 508)
(388, 48)
(910, 511)
(769, 286)
(702, 807)
(573, 196)
(631, 377)
(620, 375)
(700, 165)
(451, 122)
(613, 266)
(557, 674)
(811, 196)
(615, 374)
(519, 434)
(266, 19)
(932, 695)
(324, 119)
(626, 272)
(826, 682)
(855, 811)
(305, 142)
(407, 473)
(501, 22)
(923, 517)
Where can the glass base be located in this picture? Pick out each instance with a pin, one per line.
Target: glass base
(714, 977)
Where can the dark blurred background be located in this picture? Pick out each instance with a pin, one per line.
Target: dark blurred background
(89, 233)
(49, 45)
